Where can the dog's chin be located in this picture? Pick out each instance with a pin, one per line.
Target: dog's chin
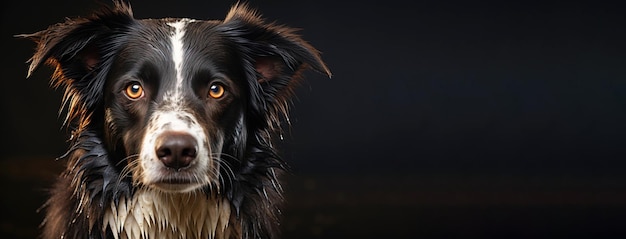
(169, 187)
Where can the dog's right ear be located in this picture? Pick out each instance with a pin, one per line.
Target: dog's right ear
(79, 50)
(74, 40)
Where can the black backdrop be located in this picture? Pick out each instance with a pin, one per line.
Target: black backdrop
(442, 119)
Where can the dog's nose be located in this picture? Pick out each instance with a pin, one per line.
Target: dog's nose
(176, 149)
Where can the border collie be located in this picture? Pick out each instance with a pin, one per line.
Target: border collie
(172, 122)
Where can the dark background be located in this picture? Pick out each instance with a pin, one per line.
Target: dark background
(443, 119)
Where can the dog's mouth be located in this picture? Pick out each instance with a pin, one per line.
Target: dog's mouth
(179, 180)
(177, 183)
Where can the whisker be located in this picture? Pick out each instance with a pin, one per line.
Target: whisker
(127, 158)
(128, 168)
(230, 174)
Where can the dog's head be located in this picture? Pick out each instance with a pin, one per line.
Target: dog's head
(178, 100)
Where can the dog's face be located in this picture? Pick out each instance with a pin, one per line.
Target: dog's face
(173, 93)
(178, 100)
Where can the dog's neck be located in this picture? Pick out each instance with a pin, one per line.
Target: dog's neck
(154, 214)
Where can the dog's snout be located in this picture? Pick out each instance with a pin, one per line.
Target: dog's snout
(176, 150)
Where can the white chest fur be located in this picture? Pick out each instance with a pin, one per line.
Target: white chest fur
(154, 214)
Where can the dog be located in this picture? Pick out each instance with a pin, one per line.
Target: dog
(172, 122)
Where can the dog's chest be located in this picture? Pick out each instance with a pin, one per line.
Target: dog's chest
(151, 214)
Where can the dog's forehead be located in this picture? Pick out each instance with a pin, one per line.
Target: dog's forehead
(169, 33)
(161, 41)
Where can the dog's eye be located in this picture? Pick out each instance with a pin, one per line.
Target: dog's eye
(134, 91)
(216, 91)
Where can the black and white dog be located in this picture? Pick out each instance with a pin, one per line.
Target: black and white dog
(172, 122)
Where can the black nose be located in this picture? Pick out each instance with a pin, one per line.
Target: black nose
(176, 149)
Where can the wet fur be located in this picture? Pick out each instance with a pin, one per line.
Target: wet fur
(244, 201)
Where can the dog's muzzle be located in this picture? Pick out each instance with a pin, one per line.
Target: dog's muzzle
(175, 153)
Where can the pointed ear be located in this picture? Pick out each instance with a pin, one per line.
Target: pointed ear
(279, 44)
(78, 49)
(70, 46)
(276, 55)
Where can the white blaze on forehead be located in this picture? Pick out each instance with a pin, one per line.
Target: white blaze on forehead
(178, 52)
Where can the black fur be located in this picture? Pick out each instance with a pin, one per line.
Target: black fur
(266, 60)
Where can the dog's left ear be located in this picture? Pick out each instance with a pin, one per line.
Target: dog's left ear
(276, 54)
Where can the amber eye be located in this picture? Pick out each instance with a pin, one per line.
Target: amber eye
(134, 91)
(216, 91)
